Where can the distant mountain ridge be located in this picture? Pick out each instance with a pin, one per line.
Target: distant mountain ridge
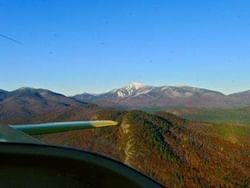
(24, 103)
(137, 95)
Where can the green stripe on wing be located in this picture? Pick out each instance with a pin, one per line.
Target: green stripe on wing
(55, 127)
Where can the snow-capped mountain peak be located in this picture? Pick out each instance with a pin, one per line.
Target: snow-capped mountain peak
(135, 85)
(129, 90)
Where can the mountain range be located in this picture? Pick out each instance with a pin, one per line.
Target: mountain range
(137, 95)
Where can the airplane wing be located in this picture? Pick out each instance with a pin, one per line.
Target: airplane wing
(21, 133)
(46, 128)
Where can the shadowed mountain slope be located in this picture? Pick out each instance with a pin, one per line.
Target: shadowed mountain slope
(24, 104)
(3, 94)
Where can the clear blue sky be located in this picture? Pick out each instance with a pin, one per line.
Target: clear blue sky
(75, 46)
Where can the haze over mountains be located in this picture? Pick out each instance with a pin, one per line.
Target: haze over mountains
(25, 102)
(137, 95)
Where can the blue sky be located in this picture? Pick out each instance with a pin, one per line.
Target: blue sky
(75, 46)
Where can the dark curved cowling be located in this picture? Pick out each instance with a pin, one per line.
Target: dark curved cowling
(34, 165)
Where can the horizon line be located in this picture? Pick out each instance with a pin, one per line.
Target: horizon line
(145, 85)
